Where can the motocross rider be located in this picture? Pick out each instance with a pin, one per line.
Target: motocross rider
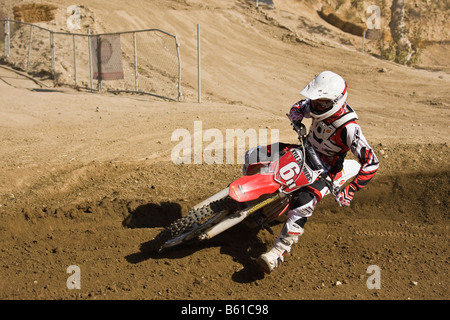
(333, 132)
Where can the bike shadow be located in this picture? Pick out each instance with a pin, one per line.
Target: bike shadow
(152, 215)
(240, 242)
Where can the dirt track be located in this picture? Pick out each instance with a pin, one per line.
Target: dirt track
(86, 179)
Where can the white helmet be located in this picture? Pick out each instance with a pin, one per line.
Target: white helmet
(327, 92)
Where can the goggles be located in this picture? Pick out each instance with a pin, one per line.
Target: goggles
(321, 105)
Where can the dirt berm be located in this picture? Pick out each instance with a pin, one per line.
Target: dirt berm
(87, 179)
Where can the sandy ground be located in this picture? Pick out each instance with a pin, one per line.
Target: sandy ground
(87, 179)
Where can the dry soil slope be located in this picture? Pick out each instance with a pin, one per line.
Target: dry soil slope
(99, 209)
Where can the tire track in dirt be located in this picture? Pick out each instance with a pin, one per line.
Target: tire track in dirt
(390, 233)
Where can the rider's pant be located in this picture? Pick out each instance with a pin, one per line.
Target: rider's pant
(302, 208)
(305, 202)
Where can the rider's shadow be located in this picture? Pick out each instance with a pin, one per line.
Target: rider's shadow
(244, 246)
(240, 242)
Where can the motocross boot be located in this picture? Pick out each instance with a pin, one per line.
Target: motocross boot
(288, 236)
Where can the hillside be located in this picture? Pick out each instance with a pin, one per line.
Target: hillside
(87, 179)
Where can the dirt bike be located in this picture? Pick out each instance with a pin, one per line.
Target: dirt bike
(271, 176)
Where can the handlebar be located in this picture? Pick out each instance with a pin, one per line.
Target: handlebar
(300, 128)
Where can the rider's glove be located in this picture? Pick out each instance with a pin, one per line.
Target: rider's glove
(295, 114)
(346, 196)
(301, 128)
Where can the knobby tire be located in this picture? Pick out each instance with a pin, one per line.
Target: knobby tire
(195, 216)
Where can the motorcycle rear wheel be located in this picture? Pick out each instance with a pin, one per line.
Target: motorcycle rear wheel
(192, 224)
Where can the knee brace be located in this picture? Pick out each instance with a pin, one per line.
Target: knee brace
(291, 228)
(289, 235)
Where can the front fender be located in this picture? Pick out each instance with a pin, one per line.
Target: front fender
(252, 187)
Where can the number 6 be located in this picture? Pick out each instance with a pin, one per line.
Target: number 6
(289, 171)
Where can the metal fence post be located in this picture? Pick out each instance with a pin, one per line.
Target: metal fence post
(52, 52)
(7, 39)
(99, 63)
(364, 40)
(74, 60)
(29, 48)
(90, 60)
(179, 68)
(136, 82)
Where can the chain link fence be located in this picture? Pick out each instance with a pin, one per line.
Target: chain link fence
(142, 61)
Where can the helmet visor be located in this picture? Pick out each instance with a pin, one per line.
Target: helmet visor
(319, 106)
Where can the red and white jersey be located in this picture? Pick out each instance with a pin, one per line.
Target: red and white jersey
(333, 137)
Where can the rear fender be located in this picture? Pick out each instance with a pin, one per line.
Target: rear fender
(252, 187)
